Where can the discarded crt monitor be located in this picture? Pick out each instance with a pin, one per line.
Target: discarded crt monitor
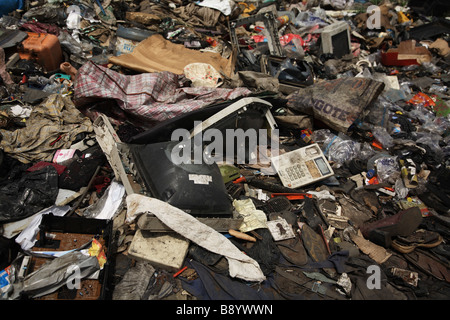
(163, 131)
(251, 118)
(197, 189)
(195, 183)
(302, 166)
(335, 39)
(245, 126)
(270, 24)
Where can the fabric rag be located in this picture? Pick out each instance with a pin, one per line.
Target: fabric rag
(151, 97)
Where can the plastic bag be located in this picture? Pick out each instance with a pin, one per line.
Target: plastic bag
(61, 271)
(6, 281)
(429, 139)
(109, 204)
(73, 17)
(337, 148)
(294, 49)
(379, 113)
(431, 67)
(68, 42)
(383, 137)
(421, 113)
(437, 88)
(134, 283)
(436, 127)
(400, 190)
(310, 19)
(388, 169)
(30, 194)
(296, 71)
(342, 151)
(365, 151)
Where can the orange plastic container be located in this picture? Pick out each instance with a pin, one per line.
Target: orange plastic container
(43, 48)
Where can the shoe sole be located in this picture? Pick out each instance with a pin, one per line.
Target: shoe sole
(407, 249)
(408, 223)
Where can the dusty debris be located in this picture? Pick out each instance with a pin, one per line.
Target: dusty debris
(224, 150)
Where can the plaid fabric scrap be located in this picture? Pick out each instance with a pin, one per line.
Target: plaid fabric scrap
(153, 97)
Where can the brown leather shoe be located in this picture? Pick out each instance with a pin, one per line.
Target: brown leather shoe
(419, 238)
(403, 223)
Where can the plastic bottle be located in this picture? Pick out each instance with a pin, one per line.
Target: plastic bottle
(388, 169)
(68, 69)
(73, 17)
(371, 173)
(371, 161)
(284, 17)
(282, 20)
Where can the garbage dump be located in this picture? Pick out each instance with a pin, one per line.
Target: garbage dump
(224, 150)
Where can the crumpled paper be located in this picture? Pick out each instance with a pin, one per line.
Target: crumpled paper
(202, 75)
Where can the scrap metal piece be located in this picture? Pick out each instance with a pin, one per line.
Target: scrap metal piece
(270, 23)
(152, 223)
(108, 140)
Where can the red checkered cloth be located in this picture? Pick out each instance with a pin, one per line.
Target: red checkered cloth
(152, 97)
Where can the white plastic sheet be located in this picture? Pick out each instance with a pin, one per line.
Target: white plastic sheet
(109, 204)
(224, 6)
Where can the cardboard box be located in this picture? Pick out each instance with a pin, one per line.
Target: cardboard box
(405, 54)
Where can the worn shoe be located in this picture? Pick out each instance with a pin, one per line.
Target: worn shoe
(314, 244)
(419, 238)
(404, 223)
(291, 249)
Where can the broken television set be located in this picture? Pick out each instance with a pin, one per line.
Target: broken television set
(195, 185)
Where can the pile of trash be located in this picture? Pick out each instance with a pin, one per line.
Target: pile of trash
(218, 150)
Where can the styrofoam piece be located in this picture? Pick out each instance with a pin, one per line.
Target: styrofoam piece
(162, 250)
